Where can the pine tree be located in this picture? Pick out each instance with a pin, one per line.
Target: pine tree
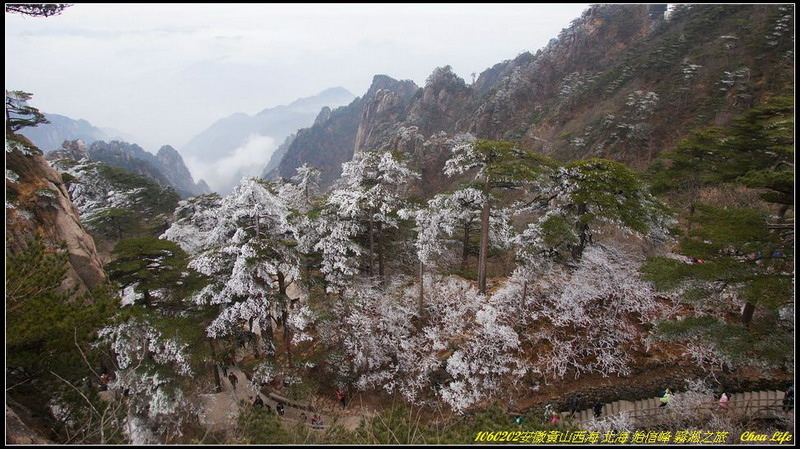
(153, 266)
(364, 208)
(501, 165)
(738, 284)
(757, 150)
(18, 113)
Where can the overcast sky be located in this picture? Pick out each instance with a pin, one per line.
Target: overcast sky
(165, 72)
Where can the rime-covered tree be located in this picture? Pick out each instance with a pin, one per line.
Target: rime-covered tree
(581, 198)
(156, 342)
(464, 352)
(304, 189)
(365, 206)
(447, 214)
(18, 113)
(115, 204)
(193, 221)
(584, 318)
(501, 165)
(251, 256)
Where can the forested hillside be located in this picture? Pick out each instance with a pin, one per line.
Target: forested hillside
(608, 219)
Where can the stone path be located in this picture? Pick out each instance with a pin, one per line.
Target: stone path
(219, 411)
(761, 403)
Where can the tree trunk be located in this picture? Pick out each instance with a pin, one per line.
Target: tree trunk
(583, 232)
(267, 339)
(421, 298)
(465, 245)
(371, 245)
(484, 248)
(258, 346)
(747, 313)
(285, 317)
(381, 271)
(216, 360)
(524, 294)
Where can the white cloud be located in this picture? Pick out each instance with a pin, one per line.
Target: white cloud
(167, 71)
(245, 161)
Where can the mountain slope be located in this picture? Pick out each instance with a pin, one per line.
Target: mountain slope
(37, 203)
(621, 82)
(332, 138)
(49, 136)
(165, 168)
(240, 142)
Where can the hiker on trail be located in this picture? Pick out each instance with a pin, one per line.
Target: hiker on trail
(554, 419)
(104, 380)
(788, 398)
(665, 399)
(232, 377)
(280, 408)
(316, 422)
(548, 412)
(258, 402)
(252, 401)
(224, 369)
(519, 420)
(598, 409)
(723, 401)
(573, 406)
(340, 397)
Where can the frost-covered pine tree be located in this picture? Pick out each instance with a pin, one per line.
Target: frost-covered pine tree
(303, 190)
(250, 254)
(363, 207)
(500, 165)
(464, 352)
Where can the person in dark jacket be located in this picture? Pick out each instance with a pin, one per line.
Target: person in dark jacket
(788, 398)
(598, 409)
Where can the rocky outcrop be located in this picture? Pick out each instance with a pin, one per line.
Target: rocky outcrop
(37, 202)
(332, 141)
(173, 168)
(70, 149)
(325, 145)
(384, 110)
(17, 432)
(577, 97)
(165, 168)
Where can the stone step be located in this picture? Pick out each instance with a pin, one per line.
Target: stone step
(627, 406)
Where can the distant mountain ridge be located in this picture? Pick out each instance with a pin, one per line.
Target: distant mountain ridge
(165, 168)
(621, 82)
(50, 136)
(220, 141)
(231, 132)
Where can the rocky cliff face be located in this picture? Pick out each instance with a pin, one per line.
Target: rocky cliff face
(165, 168)
(325, 145)
(619, 83)
(173, 168)
(332, 139)
(37, 202)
